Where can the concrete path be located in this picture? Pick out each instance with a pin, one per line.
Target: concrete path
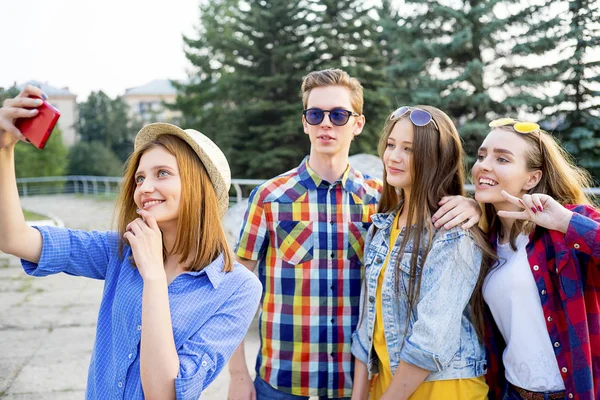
(47, 325)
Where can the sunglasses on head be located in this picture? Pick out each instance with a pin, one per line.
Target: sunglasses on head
(337, 116)
(519, 126)
(417, 116)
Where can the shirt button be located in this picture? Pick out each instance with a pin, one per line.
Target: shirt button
(557, 270)
(331, 222)
(564, 370)
(120, 384)
(549, 319)
(543, 291)
(378, 260)
(370, 338)
(139, 327)
(536, 267)
(332, 287)
(371, 299)
(570, 395)
(576, 245)
(332, 320)
(204, 363)
(556, 344)
(130, 355)
(332, 255)
(331, 354)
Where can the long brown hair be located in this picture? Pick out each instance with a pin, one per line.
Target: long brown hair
(200, 237)
(437, 170)
(561, 179)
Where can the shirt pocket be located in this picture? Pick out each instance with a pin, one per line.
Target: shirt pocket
(355, 245)
(294, 241)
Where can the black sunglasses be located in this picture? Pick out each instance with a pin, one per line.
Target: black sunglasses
(337, 116)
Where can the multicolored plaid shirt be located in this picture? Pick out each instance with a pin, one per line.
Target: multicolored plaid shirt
(566, 269)
(308, 236)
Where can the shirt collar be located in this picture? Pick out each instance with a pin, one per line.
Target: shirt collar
(214, 271)
(312, 181)
(385, 220)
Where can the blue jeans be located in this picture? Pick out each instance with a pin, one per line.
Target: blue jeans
(264, 391)
(511, 394)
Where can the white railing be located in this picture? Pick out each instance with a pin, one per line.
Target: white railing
(97, 185)
(110, 185)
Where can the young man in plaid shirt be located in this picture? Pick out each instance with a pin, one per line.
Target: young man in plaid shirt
(305, 230)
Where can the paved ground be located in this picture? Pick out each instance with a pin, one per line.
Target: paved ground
(47, 325)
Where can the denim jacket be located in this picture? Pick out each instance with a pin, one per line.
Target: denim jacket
(440, 336)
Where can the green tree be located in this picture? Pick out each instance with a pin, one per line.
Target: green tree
(449, 54)
(575, 117)
(345, 34)
(95, 159)
(249, 59)
(50, 161)
(105, 120)
(249, 62)
(8, 93)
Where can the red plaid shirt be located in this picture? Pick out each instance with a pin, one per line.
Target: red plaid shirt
(566, 269)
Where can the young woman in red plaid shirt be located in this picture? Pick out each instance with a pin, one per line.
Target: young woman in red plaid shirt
(542, 297)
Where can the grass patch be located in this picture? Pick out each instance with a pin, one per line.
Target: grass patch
(31, 216)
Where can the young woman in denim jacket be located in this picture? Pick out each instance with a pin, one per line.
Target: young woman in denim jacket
(543, 333)
(417, 330)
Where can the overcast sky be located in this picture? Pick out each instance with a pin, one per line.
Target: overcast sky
(87, 45)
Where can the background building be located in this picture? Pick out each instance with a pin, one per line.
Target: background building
(146, 102)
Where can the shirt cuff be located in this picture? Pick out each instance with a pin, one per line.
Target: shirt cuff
(420, 358)
(358, 350)
(579, 227)
(191, 387)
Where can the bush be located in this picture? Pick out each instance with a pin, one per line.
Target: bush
(33, 162)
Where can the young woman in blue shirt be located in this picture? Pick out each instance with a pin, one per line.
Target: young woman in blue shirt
(175, 306)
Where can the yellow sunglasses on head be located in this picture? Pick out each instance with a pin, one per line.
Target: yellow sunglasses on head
(519, 126)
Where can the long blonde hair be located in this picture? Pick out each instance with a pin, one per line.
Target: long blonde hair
(200, 237)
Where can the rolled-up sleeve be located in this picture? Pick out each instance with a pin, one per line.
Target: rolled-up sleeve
(203, 356)
(360, 337)
(453, 271)
(74, 252)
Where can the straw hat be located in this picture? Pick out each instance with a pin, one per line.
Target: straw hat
(209, 153)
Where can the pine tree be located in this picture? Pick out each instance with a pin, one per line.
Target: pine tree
(249, 62)
(448, 51)
(406, 64)
(345, 34)
(576, 119)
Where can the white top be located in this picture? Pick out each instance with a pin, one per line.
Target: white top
(511, 293)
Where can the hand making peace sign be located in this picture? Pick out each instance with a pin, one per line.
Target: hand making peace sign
(540, 209)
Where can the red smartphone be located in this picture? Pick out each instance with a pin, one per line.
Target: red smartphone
(38, 129)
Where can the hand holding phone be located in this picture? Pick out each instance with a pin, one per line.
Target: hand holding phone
(37, 129)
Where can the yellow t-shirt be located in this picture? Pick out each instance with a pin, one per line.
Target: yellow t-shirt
(453, 389)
